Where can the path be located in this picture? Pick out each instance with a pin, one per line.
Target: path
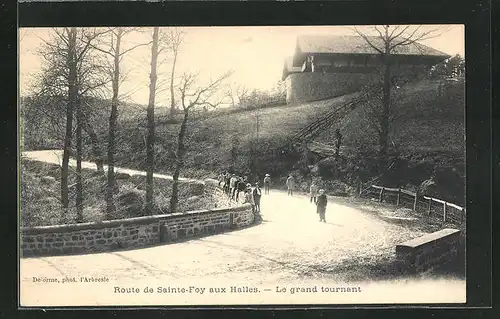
(291, 247)
(55, 157)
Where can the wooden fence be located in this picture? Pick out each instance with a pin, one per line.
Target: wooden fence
(427, 206)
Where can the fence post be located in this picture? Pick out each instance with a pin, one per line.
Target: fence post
(359, 189)
(381, 195)
(444, 212)
(399, 196)
(415, 202)
(429, 207)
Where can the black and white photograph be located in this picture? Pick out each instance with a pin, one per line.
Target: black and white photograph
(256, 165)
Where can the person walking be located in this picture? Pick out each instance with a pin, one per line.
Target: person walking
(321, 205)
(290, 184)
(267, 184)
(249, 197)
(313, 192)
(227, 184)
(220, 178)
(233, 183)
(241, 186)
(257, 194)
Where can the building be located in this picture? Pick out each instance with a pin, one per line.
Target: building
(323, 67)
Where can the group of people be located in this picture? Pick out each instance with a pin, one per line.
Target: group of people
(233, 185)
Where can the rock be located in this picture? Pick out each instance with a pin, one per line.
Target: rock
(48, 180)
(122, 176)
(193, 199)
(196, 188)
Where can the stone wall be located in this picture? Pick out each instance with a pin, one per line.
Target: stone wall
(430, 251)
(131, 233)
(314, 86)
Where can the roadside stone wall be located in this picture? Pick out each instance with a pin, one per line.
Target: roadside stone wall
(314, 86)
(132, 232)
(430, 251)
(205, 222)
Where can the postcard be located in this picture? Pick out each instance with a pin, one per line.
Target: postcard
(262, 165)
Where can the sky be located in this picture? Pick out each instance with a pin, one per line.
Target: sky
(254, 54)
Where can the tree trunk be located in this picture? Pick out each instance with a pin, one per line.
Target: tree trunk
(151, 125)
(172, 95)
(87, 127)
(179, 163)
(79, 186)
(110, 189)
(72, 92)
(384, 120)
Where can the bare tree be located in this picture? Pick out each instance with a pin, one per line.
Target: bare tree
(174, 38)
(388, 41)
(242, 93)
(151, 122)
(230, 95)
(116, 52)
(237, 94)
(191, 97)
(70, 71)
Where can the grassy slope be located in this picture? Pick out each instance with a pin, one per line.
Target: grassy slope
(428, 130)
(426, 122)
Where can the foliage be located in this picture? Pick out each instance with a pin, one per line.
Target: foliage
(453, 67)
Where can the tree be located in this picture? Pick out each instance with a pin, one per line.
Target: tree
(151, 123)
(388, 41)
(70, 70)
(174, 38)
(191, 97)
(237, 94)
(453, 67)
(116, 52)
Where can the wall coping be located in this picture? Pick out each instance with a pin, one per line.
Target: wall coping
(126, 221)
(428, 239)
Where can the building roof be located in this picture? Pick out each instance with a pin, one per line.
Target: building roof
(343, 44)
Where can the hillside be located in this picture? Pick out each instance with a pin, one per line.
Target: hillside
(427, 137)
(425, 120)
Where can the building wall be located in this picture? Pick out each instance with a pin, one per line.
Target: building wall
(314, 86)
(131, 232)
(326, 82)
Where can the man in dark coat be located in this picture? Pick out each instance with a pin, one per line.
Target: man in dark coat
(321, 202)
(257, 194)
(241, 187)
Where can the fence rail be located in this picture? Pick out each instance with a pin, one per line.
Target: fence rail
(428, 206)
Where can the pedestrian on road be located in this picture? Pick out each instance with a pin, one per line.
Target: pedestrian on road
(233, 183)
(267, 184)
(257, 194)
(220, 178)
(313, 192)
(227, 184)
(321, 205)
(249, 197)
(290, 184)
(242, 185)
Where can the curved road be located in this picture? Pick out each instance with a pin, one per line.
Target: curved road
(290, 248)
